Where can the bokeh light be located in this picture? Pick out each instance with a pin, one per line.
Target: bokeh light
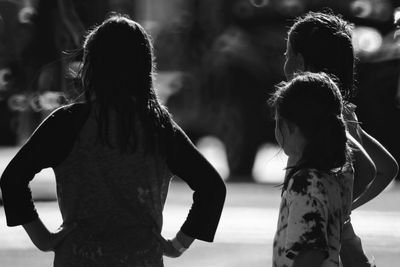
(214, 151)
(366, 40)
(260, 3)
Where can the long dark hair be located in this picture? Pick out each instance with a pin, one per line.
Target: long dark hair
(325, 42)
(117, 75)
(312, 101)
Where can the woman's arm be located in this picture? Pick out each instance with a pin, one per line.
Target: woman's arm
(386, 169)
(309, 258)
(364, 168)
(185, 161)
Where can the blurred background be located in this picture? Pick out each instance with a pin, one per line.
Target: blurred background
(217, 62)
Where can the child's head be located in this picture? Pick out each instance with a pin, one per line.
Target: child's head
(118, 62)
(117, 74)
(309, 122)
(321, 42)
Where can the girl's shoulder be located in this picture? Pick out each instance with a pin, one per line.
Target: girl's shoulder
(70, 109)
(305, 179)
(312, 183)
(66, 114)
(61, 121)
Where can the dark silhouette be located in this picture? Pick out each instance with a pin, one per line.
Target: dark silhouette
(113, 158)
(322, 42)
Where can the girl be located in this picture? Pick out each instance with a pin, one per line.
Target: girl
(315, 196)
(322, 42)
(113, 159)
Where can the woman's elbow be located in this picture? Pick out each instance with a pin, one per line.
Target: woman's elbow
(387, 167)
(392, 169)
(396, 169)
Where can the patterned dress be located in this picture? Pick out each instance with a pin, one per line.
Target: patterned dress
(312, 212)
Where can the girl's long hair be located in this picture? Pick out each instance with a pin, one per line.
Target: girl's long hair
(325, 42)
(117, 75)
(313, 103)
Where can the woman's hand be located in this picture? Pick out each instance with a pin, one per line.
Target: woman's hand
(43, 239)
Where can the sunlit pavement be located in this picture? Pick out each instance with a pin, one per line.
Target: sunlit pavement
(244, 236)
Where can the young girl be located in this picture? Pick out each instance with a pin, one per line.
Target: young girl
(315, 196)
(113, 159)
(322, 42)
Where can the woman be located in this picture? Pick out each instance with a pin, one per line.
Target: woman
(113, 158)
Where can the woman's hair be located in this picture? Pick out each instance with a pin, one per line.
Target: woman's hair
(312, 102)
(117, 73)
(325, 42)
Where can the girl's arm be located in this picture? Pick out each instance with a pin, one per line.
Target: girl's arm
(47, 146)
(309, 258)
(185, 161)
(386, 169)
(364, 168)
(42, 238)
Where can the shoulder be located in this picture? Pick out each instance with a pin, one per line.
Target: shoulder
(303, 179)
(310, 183)
(64, 117)
(177, 132)
(69, 110)
(66, 113)
(347, 169)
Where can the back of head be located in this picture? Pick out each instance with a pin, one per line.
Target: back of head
(313, 103)
(117, 75)
(325, 42)
(118, 62)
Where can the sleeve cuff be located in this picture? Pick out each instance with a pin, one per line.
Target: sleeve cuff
(11, 222)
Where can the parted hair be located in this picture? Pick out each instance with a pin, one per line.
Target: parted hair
(312, 102)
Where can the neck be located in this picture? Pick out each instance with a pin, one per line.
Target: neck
(292, 161)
